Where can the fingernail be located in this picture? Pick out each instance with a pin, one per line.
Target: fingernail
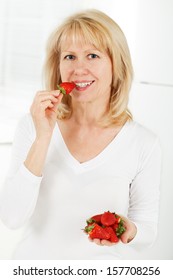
(57, 93)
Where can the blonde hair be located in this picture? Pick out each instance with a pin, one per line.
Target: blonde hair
(96, 28)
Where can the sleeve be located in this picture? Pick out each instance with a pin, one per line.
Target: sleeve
(21, 188)
(144, 198)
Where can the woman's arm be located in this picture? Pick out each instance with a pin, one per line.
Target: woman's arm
(44, 114)
(21, 187)
(144, 198)
(141, 223)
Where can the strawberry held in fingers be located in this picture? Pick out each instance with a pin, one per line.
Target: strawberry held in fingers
(66, 87)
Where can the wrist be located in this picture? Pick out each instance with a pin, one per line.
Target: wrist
(37, 154)
(43, 139)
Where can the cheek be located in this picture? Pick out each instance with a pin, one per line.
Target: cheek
(61, 69)
(108, 73)
(105, 74)
(64, 69)
(105, 68)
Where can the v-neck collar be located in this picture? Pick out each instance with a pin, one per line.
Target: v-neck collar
(96, 161)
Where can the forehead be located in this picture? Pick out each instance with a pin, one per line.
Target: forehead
(77, 46)
(82, 37)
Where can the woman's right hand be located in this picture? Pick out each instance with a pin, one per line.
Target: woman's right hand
(44, 112)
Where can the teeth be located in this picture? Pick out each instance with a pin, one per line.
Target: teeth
(83, 84)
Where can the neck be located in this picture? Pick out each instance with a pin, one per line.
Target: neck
(88, 113)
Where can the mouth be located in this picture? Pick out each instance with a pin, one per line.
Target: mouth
(83, 84)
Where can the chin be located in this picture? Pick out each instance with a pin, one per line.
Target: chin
(82, 97)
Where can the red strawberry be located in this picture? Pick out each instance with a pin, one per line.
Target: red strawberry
(108, 226)
(108, 218)
(95, 219)
(115, 226)
(66, 87)
(88, 228)
(118, 219)
(96, 231)
(113, 237)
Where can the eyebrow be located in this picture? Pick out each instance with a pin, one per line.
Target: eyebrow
(86, 51)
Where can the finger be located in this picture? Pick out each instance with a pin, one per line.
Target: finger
(44, 92)
(59, 98)
(45, 105)
(57, 102)
(40, 107)
(56, 92)
(91, 240)
(45, 97)
(107, 243)
(125, 237)
(97, 241)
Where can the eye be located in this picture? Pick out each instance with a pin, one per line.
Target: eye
(93, 55)
(69, 57)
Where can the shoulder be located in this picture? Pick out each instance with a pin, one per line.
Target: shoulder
(143, 139)
(142, 133)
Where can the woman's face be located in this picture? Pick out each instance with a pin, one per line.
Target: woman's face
(89, 68)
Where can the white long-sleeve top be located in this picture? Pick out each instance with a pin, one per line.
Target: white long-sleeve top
(124, 178)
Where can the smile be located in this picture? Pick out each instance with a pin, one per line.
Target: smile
(82, 85)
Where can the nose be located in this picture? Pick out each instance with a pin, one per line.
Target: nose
(81, 67)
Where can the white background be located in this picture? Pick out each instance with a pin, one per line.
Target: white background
(148, 25)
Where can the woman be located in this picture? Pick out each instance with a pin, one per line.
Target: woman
(82, 154)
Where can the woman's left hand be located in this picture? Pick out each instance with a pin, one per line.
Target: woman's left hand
(125, 238)
(130, 232)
